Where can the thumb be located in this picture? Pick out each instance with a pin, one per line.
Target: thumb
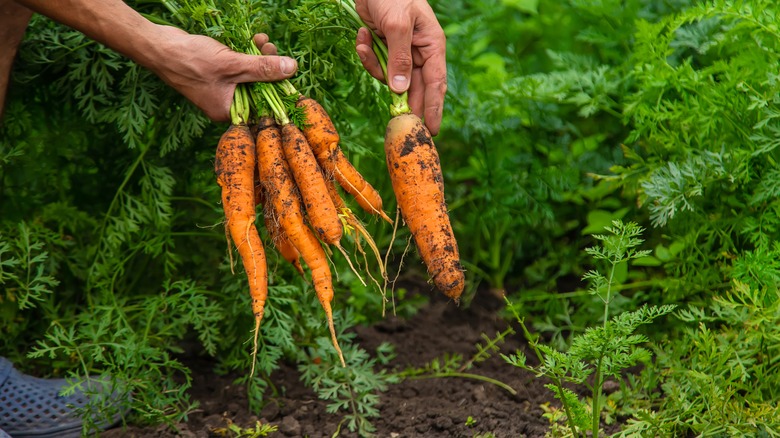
(255, 68)
(399, 56)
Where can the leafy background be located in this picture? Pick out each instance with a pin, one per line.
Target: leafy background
(561, 117)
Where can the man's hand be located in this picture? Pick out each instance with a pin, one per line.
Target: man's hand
(203, 70)
(416, 53)
(206, 72)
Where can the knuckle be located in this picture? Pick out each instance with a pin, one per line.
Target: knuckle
(264, 68)
(443, 85)
(439, 36)
(396, 26)
(402, 60)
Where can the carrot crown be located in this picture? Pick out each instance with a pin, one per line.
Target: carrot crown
(240, 108)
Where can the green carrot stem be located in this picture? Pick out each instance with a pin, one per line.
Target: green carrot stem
(275, 103)
(240, 108)
(287, 88)
(400, 102)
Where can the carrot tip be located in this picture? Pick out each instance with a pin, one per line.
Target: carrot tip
(384, 216)
(254, 345)
(332, 328)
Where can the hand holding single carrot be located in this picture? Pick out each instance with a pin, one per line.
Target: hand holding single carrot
(416, 53)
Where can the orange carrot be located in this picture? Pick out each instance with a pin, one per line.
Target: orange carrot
(234, 167)
(415, 172)
(278, 238)
(324, 141)
(258, 189)
(308, 177)
(319, 129)
(285, 201)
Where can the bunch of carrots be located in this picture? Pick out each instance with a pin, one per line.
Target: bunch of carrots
(281, 156)
(266, 160)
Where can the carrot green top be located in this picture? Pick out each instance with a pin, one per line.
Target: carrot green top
(400, 102)
(231, 24)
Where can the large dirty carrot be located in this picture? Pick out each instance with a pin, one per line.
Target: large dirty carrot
(278, 238)
(234, 167)
(415, 172)
(324, 141)
(318, 129)
(284, 199)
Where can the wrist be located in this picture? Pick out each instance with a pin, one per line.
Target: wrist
(13, 23)
(154, 47)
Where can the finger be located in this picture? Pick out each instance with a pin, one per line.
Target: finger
(416, 93)
(434, 76)
(260, 39)
(398, 32)
(263, 68)
(262, 42)
(366, 54)
(434, 103)
(269, 49)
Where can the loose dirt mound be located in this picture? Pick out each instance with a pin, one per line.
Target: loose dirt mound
(429, 407)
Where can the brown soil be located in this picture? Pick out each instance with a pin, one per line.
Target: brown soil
(431, 407)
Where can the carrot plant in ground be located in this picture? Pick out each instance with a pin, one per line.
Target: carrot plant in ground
(702, 152)
(353, 390)
(703, 160)
(720, 376)
(455, 365)
(600, 352)
(695, 85)
(234, 431)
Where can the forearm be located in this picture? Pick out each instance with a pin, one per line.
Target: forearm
(13, 22)
(110, 22)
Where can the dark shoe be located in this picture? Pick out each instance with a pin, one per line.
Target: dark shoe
(34, 408)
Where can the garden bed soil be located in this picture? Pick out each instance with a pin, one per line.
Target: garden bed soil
(431, 407)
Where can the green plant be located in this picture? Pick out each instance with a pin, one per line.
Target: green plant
(720, 377)
(702, 149)
(23, 263)
(454, 365)
(599, 352)
(353, 389)
(232, 430)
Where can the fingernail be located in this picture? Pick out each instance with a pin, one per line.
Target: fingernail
(362, 57)
(287, 65)
(399, 82)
